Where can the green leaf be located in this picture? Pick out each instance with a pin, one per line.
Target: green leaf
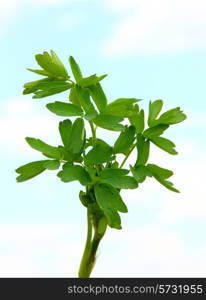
(114, 171)
(143, 148)
(52, 164)
(140, 173)
(123, 101)
(75, 69)
(45, 87)
(154, 110)
(73, 97)
(84, 198)
(65, 128)
(102, 77)
(35, 84)
(57, 62)
(52, 84)
(102, 225)
(161, 172)
(138, 120)
(98, 142)
(98, 155)
(115, 164)
(94, 209)
(30, 170)
(77, 137)
(172, 116)
(125, 140)
(122, 107)
(27, 91)
(113, 218)
(98, 96)
(41, 72)
(91, 80)
(167, 184)
(117, 179)
(115, 200)
(84, 99)
(110, 202)
(109, 122)
(69, 156)
(64, 109)
(43, 94)
(155, 131)
(52, 64)
(74, 172)
(164, 144)
(47, 150)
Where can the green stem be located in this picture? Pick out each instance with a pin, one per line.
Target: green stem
(92, 243)
(93, 132)
(82, 269)
(89, 255)
(126, 157)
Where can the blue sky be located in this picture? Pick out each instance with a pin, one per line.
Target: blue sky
(151, 50)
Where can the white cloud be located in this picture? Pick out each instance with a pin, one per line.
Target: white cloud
(69, 21)
(20, 118)
(50, 2)
(8, 11)
(46, 250)
(149, 251)
(54, 250)
(156, 27)
(8, 7)
(190, 204)
(120, 6)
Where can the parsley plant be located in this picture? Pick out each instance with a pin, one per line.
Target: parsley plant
(91, 160)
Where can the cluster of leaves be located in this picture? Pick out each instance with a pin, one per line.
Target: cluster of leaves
(91, 160)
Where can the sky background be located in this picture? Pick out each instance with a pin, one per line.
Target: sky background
(151, 49)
